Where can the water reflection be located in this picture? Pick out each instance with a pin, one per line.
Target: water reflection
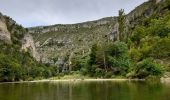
(85, 91)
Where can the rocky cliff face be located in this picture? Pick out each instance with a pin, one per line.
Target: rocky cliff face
(4, 33)
(158, 1)
(14, 34)
(64, 41)
(29, 46)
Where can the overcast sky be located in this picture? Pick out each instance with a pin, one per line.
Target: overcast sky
(47, 12)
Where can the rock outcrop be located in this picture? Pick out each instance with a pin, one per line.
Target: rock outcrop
(4, 33)
(158, 1)
(28, 44)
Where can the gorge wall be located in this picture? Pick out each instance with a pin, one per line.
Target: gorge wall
(4, 33)
(62, 42)
(13, 34)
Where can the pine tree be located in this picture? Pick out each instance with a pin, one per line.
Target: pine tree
(121, 21)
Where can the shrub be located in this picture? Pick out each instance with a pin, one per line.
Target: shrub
(84, 71)
(134, 54)
(162, 45)
(108, 74)
(99, 72)
(118, 58)
(117, 49)
(148, 67)
(138, 34)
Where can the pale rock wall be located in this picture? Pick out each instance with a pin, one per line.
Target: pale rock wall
(4, 33)
(28, 44)
(157, 1)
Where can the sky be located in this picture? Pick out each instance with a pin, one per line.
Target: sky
(31, 13)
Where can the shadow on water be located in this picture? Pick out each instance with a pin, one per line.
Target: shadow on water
(106, 90)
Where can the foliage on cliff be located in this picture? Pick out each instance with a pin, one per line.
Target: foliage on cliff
(146, 53)
(15, 64)
(143, 49)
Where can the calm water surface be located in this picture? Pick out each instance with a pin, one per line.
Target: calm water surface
(85, 91)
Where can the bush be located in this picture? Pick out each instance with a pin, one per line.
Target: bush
(108, 74)
(117, 49)
(10, 70)
(99, 72)
(16, 65)
(148, 67)
(134, 54)
(84, 71)
(138, 34)
(159, 27)
(162, 45)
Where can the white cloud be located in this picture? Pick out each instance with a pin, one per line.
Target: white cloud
(47, 12)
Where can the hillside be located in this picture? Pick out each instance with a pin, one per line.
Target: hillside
(18, 55)
(135, 45)
(70, 46)
(58, 41)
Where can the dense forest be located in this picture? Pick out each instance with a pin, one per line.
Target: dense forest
(142, 51)
(139, 50)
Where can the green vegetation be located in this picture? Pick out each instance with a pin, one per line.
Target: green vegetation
(142, 48)
(17, 65)
(145, 54)
(121, 21)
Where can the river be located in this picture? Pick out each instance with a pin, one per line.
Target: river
(94, 90)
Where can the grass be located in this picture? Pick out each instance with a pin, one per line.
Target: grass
(70, 76)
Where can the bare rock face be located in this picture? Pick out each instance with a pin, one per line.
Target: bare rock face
(157, 1)
(114, 34)
(4, 33)
(28, 44)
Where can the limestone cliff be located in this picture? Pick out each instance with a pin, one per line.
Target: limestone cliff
(14, 34)
(29, 46)
(4, 33)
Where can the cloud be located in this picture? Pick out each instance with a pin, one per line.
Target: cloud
(47, 12)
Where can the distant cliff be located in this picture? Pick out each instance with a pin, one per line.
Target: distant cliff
(29, 46)
(63, 41)
(14, 34)
(58, 42)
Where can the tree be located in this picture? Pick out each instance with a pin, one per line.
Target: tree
(162, 45)
(148, 67)
(118, 57)
(93, 54)
(121, 21)
(101, 55)
(159, 27)
(138, 34)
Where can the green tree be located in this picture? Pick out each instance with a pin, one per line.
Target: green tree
(118, 58)
(161, 49)
(92, 59)
(148, 67)
(138, 33)
(121, 21)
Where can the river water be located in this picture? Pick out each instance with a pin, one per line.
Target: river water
(103, 90)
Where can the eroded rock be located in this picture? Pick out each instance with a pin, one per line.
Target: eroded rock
(4, 33)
